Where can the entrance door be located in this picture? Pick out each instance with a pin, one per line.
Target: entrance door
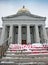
(24, 42)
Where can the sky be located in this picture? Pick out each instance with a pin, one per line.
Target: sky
(37, 7)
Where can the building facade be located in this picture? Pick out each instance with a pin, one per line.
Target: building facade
(24, 27)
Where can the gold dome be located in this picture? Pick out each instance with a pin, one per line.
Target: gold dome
(23, 9)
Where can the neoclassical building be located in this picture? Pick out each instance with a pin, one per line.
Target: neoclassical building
(24, 27)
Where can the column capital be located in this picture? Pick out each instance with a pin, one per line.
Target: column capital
(19, 25)
(28, 25)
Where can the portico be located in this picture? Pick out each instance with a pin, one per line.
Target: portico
(23, 34)
(24, 28)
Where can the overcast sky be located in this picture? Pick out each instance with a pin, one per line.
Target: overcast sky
(37, 7)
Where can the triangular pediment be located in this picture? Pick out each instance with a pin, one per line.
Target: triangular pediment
(24, 16)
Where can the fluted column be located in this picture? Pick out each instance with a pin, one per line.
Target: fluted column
(37, 38)
(44, 34)
(3, 34)
(28, 34)
(19, 34)
(11, 34)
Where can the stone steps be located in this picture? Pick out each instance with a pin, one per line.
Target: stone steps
(29, 63)
(25, 59)
(25, 55)
(22, 58)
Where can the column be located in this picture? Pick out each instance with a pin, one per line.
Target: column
(44, 33)
(37, 39)
(3, 34)
(28, 34)
(11, 34)
(19, 34)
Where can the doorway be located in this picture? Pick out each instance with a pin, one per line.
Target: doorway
(24, 34)
(24, 42)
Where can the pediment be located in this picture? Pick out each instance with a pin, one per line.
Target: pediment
(23, 17)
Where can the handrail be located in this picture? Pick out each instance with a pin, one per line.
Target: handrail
(4, 47)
